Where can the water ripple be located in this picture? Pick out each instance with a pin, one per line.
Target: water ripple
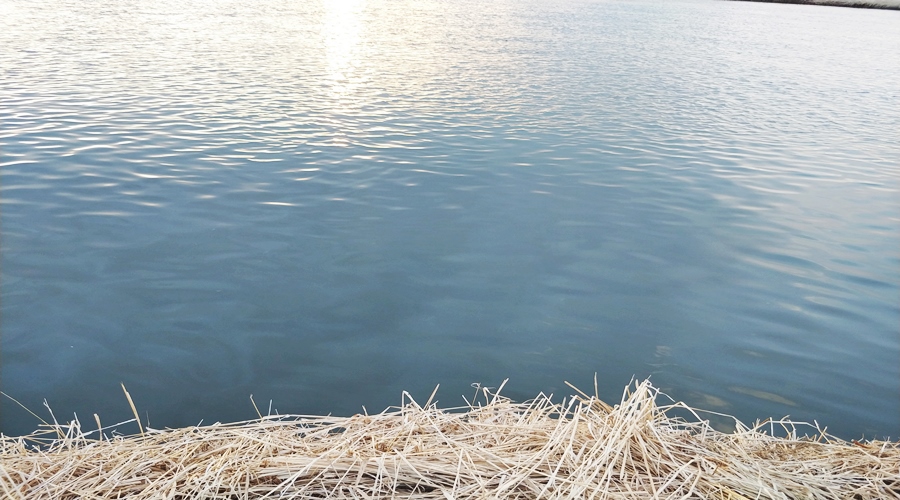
(208, 200)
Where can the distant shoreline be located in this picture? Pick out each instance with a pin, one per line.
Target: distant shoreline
(831, 3)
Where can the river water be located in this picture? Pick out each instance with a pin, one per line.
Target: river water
(323, 204)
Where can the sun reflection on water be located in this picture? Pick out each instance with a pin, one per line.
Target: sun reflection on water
(342, 31)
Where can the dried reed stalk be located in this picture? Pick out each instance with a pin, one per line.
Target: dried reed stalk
(577, 448)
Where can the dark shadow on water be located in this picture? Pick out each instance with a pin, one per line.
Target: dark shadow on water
(830, 3)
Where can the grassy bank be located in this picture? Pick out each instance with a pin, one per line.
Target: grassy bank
(579, 447)
(886, 4)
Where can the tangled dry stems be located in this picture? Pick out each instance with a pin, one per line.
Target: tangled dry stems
(580, 447)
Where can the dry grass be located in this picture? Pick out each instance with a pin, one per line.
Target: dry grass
(577, 448)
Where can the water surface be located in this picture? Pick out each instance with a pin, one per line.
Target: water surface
(324, 204)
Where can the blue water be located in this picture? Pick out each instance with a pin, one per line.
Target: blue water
(325, 204)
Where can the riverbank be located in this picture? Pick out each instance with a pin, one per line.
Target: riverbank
(579, 447)
(887, 5)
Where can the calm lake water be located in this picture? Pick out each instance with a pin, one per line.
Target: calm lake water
(324, 204)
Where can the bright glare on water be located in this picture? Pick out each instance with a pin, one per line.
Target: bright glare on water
(326, 203)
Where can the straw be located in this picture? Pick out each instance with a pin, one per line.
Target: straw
(492, 448)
